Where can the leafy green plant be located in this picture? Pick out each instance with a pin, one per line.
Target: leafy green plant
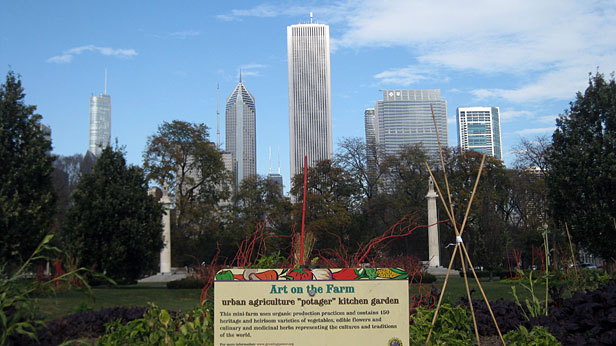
(534, 307)
(538, 336)
(159, 327)
(18, 315)
(272, 261)
(453, 326)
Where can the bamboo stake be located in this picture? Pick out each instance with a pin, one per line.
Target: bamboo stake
(572, 254)
(459, 243)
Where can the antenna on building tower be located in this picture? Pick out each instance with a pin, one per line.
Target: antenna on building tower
(279, 159)
(105, 81)
(217, 116)
(310, 17)
(270, 159)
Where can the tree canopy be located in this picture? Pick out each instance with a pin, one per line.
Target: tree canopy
(113, 224)
(582, 159)
(181, 157)
(27, 201)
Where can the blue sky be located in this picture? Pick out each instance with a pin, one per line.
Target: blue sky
(164, 60)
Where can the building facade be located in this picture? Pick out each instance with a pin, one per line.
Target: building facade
(371, 147)
(479, 130)
(241, 132)
(310, 115)
(100, 123)
(404, 117)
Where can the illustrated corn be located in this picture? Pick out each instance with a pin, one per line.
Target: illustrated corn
(386, 273)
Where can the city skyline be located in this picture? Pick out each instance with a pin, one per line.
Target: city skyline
(528, 58)
(310, 110)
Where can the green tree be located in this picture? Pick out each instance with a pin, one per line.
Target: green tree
(582, 177)
(114, 226)
(331, 204)
(181, 157)
(27, 201)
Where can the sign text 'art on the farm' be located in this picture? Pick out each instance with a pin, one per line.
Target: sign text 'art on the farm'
(304, 307)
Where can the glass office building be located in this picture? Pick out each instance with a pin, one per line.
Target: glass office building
(100, 123)
(479, 130)
(310, 115)
(241, 132)
(404, 117)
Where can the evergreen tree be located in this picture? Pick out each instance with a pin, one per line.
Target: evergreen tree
(27, 200)
(113, 225)
(582, 177)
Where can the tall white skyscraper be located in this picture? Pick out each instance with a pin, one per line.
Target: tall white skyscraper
(479, 130)
(310, 115)
(241, 132)
(100, 123)
(404, 118)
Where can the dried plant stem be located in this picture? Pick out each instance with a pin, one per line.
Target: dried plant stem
(572, 254)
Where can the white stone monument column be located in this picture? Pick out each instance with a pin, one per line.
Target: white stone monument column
(165, 254)
(433, 236)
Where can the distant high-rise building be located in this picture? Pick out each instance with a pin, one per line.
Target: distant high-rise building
(371, 147)
(100, 123)
(404, 117)
(479, 130)
(310, 115)
(241, 132)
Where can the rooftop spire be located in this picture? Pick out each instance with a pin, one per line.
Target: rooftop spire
(240, 74)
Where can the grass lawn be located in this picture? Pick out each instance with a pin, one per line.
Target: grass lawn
(67, 302)
(64, 303)
(495, 289)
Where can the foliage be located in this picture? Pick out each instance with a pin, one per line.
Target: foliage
(587, 318)
(582, 159)
(453, 326)
(181, 157)
(114, 225)
(538, 336)
(27, 201)
(507, 314)
(330, 203)
(532, 307)
(82, 325)
(272, 261)
(18, 314)
(65, 176)
(159, 327)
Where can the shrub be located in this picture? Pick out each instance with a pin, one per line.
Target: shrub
(453, 326)
(185, 283)
(86, 324)
(587, 318)
(426, 278)
(507, 313)
(158, 327)
(538, 336)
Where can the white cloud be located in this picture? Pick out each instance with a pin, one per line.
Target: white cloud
(510, 115)
(68, 55)
(182, 35)
(251, 69)
(549, 45)
(401, 76)
(535, 131)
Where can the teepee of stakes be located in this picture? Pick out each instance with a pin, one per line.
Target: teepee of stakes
(459, 248)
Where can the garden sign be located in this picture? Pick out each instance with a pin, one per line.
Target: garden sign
(311, 307)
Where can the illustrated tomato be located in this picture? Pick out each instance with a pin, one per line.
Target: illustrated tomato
(299, 274)
(345, 274)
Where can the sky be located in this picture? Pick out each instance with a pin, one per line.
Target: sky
(165, 59)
